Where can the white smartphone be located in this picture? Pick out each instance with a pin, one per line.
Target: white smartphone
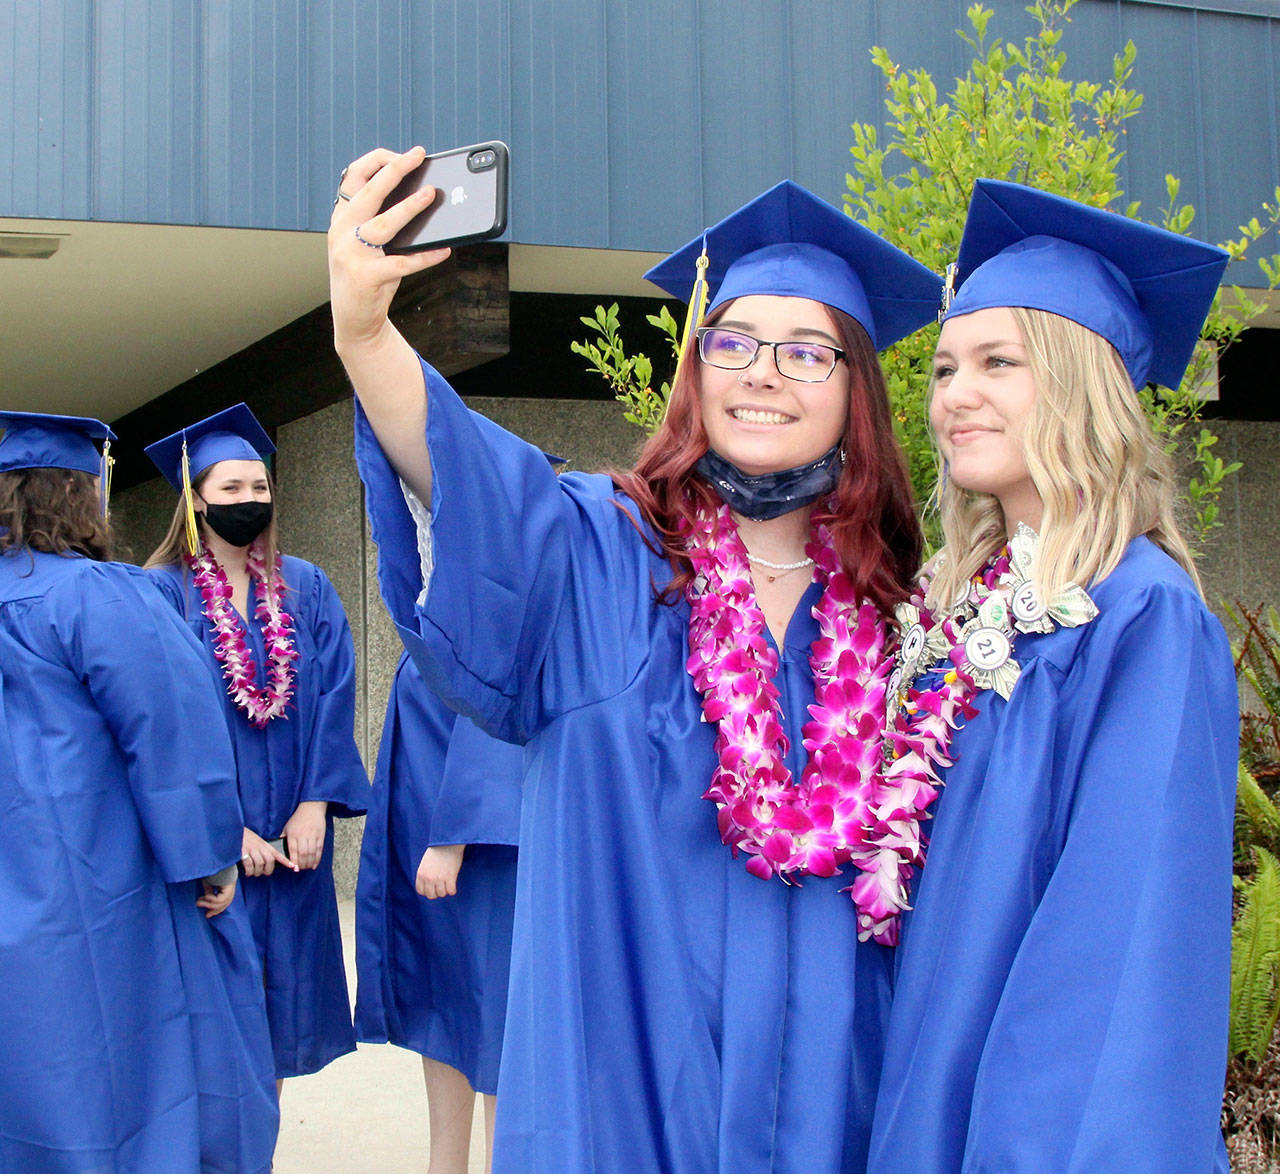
(470, 203)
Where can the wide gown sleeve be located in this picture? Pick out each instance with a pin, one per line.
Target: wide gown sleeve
(333, 771)
(1107, 1049)
(479, 797)
(147, 676)
(541, 585)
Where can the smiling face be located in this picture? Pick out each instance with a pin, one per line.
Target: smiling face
(229, 482)
(759, 420)
(983, 396)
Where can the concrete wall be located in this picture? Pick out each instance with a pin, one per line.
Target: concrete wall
(322, 519)
(1242, 559)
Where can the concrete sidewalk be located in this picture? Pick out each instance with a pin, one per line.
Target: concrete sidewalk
(364, 1113)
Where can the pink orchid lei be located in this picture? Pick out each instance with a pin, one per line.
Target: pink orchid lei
(851, 805)
(230, 646)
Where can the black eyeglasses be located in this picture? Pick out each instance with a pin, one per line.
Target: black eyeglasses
(806, 362)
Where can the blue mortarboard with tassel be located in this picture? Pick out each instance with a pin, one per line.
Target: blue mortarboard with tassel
(788, 242)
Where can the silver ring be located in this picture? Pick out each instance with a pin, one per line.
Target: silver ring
(367, 244)
(341, 196)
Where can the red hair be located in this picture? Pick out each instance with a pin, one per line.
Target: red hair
(873, 517)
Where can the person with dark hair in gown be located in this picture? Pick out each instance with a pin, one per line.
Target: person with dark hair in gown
(676, 1002)
(132, 1023)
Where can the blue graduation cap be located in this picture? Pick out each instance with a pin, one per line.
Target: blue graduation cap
(1142, 288)
(34, 440)
(230, 435)
(791, 243)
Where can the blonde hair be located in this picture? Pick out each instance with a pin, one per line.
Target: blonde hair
(173, 546)
(1101, 474)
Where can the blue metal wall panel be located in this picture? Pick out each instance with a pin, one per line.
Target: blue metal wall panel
(559, 142)
(1236, 175)
(631, 125)
(456, 73)
(44, 85)
(824, 103)
(654, 129)
(1164, 77)
(746, 134)
(184, 184)
(62, 98)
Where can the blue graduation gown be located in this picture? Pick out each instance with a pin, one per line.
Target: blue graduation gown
(1061, 999)
(667, 1010)
(307, 754)
(132, 1028)
(433, 974)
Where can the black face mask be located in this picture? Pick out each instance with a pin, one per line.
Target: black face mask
(771, 494)
(238, 524)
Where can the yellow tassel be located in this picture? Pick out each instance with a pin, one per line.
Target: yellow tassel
(104, 480)
(193, 534)
(697, 308)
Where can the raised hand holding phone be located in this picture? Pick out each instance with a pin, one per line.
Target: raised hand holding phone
(363, 279)
(381, 365)
(470, 202)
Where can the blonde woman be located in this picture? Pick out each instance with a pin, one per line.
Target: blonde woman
(277, 641)
(1061, 992)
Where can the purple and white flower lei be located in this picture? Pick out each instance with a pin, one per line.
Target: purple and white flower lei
(862, 796)
(229, 644)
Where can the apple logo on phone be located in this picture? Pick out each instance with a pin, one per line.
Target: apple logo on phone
(458, 195)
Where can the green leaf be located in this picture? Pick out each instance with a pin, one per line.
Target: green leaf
(1255, 962)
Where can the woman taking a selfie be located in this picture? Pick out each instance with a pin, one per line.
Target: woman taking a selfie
(276, 640)
(688, 987)
(131, 1025)
(1061, 996)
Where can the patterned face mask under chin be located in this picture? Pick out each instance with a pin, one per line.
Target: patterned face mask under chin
(771, 495)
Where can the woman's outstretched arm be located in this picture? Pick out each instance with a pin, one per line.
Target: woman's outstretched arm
(381, 365)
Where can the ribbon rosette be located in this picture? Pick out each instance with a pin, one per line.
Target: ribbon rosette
(1070, 608)
(919, 649)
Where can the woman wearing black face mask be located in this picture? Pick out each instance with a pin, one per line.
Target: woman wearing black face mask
(279, 644)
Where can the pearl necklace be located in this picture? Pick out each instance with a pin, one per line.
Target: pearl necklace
(780, 569)
(764, 562)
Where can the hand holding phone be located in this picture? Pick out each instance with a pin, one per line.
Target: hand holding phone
(261, 857)
(470, 203)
